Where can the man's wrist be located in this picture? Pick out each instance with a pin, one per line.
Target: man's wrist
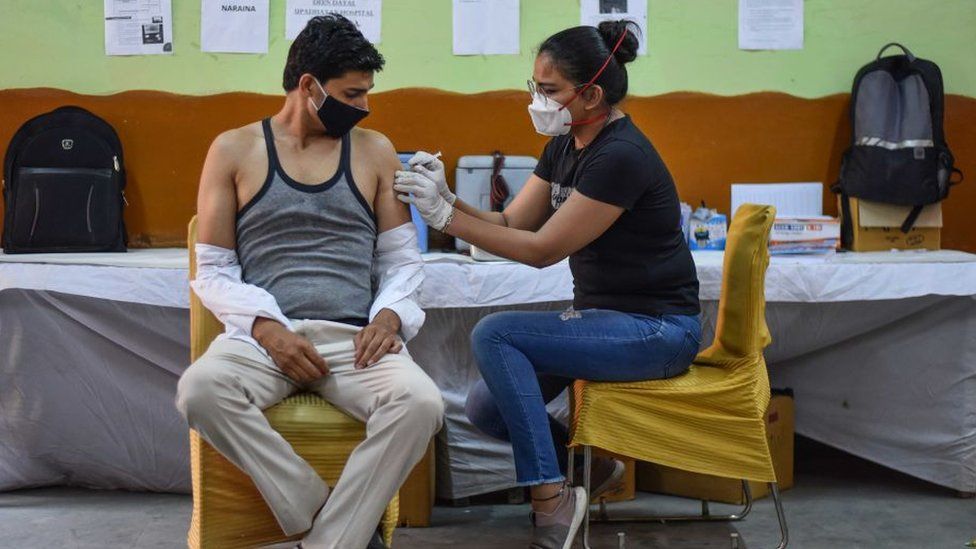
(389, 319)
(263, 327)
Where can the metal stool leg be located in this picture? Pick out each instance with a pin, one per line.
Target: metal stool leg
(783, 530)
(587, 463)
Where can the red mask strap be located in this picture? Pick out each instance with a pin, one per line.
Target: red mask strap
(595, 76)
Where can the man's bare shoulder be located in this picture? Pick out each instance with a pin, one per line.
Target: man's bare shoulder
(375, 143)
(235, 144)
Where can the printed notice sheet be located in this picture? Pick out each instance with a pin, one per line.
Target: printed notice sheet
(138, 27)
(770, 24)
(592, 12)
(365, 13)
(234, 26)
(486, 27)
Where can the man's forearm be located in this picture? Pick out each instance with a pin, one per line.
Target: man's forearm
(219, 286)
(399, 269)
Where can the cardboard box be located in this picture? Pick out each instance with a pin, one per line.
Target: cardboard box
(877, 227)
(626, 491)
(417, 492)
(652, 477)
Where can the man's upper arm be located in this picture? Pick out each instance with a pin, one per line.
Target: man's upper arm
(390, 212)
(217, 197)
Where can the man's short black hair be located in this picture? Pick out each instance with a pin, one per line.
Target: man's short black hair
(328, 47)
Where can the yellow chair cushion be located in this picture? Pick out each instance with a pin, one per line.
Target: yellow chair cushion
(711, 419)
(228, 510)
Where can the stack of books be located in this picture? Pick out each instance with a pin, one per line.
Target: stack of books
(804, 235)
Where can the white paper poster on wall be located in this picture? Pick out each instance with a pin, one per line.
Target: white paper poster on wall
(770, 24)
(365, 13)
(593, 12)
(138, 27)
(486, 27)
(234, 26)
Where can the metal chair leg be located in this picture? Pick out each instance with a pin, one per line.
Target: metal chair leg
(571, 467)
(706, 516)
(587, 463)
(780, 515)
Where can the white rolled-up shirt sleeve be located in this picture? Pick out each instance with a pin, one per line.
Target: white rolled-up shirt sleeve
(220, 286)
(399, 270)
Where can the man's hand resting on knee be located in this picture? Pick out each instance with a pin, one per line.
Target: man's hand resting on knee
(378, 338)
(293, 354)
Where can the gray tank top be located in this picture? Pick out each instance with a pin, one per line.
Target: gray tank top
(309, 246)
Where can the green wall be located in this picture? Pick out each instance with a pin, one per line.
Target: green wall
(692, 47)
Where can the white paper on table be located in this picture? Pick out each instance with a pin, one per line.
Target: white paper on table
(138, 27)
(486, 27)
(365, 13)
(234, 26)
(593, 12)
(790, 199)
(770, 24)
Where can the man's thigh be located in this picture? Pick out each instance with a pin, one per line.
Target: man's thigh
(232, 366)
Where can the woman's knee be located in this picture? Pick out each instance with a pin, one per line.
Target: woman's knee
(482, 411)
(488, 334)
(491, 327)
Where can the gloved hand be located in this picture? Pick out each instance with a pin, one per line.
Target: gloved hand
(421, 191)
(429, 165)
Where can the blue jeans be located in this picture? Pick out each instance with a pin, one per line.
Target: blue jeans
(528, 358)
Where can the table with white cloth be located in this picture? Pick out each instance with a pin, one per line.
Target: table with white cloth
(879, 348)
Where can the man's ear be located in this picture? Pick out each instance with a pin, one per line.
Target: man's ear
(306, 84)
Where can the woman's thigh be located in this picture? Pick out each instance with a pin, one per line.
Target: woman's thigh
(592, 344)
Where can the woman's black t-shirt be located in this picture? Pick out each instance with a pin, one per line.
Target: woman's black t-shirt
(641, 264)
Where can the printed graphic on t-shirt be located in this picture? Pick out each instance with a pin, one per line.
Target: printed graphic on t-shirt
(559, 194)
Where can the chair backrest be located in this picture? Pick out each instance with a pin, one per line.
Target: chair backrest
(204, 326)
(741, 329)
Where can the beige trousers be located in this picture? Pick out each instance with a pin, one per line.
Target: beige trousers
(222, 396)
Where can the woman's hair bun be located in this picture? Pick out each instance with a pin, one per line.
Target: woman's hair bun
(610, 31)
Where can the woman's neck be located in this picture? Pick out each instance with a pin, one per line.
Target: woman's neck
(584, 135)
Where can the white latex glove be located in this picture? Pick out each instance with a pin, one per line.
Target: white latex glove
(429, 165)
(421, 191)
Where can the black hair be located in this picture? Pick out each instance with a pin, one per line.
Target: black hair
(328, 47)
(579, 52)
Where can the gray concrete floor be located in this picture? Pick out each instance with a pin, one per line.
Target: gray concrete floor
(839, 502)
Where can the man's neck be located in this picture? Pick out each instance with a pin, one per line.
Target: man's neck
(293, 121)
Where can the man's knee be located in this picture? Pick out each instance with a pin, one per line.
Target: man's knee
(198, 391)
(482, 412)
(423, 400)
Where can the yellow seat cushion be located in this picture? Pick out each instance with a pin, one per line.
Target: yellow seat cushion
(228, 510)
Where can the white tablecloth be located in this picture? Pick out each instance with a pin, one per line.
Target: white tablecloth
(880, 349)
(159, 277)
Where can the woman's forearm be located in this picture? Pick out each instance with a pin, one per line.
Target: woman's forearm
(495, 218)
(515, 244)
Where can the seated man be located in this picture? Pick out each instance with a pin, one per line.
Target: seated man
(296, 212)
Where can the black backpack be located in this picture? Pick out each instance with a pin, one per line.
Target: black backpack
(898, 153)
(64, 185)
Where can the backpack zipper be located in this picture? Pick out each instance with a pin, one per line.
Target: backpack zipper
(37, 210)
(115, 162)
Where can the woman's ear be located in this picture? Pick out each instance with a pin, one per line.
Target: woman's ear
(592, 97)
